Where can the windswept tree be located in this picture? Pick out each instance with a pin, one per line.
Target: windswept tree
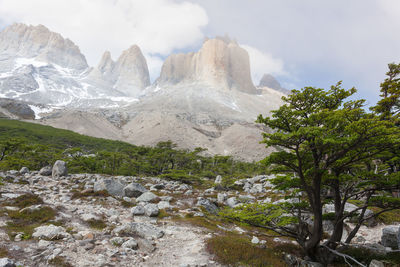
(326, 151)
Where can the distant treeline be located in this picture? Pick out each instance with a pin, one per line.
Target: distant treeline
(35, 146)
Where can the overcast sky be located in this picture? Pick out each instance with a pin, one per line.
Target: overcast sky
(302, 43)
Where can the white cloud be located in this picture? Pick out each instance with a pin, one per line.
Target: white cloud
(157, 26)
(262, 63)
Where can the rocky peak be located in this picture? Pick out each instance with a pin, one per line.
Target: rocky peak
(271, 82)
(128, 75)
(21, 40)
(221, 63)
(106, 64)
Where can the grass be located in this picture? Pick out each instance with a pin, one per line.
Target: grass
(26, 221)
(24, 201)
(163, 214)
(59, 262)
(236, 250)
(388, 217)
(97, 224)
(3, 252)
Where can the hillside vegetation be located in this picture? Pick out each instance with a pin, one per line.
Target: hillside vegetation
(35, 146)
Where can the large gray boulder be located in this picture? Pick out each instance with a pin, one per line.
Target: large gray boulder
(59, 169)
(151, 210)
(134, 190)
(24, 170)
(207, 205)
(390, 235)
(112, 186)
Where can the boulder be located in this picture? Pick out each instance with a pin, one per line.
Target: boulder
(151, 210)
(6, 262)
(131, 244)
(232, 202)
(45, 171)
(112, 186)
(376, 263)
(134, 190)
(50, 232)
(390, 237)
(59, 169)
(24, 170)
(163, 205)
(207, 205)
(143, 230)
(218, 179)
(137, 211)
(147, 197)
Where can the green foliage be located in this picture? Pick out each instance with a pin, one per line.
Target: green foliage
(325, 143)
(366, 256)
(97, 224)
(238, 251)
(35, 146)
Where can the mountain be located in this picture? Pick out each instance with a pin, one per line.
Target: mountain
(201, 99)
(41, 66)
(221, 63)
(270, 81)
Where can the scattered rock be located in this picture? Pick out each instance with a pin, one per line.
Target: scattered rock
(390, 237)
(131, 244)
(207, 205)
(147, 197)
(45, 171)
(6, 262)
(218, 179)
(134, 190)
(112, 186)
(255, 240)
(50, 232)
(138, 210)
(145, 230)
(59, 169)
(376, 263)
(24, 170)
(151, 210)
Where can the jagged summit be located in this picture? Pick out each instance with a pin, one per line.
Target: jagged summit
(270, 81)
(128, 75)
(40, 43)
(221, 63)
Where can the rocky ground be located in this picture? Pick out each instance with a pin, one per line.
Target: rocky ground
(52, 218)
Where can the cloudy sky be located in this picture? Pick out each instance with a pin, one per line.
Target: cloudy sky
(302, 43)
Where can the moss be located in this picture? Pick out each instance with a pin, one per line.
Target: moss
(59, 262)
(25, 222)
(163, 214)
(3, 252)
(97, 224)
(102, 193)
(236, 250)
(127, 204)
(24, 201)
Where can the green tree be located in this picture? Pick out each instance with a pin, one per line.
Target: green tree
(325, 145)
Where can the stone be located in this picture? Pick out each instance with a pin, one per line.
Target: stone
(147, 197)
(143, 230)
(134, 190)
(24, 170)
(255, 240)
(89, 216)
(45, 171)
(151, 210)
(221, 197)
(390, 237)
(232, 202)
(207, 205)
(6, 262)
(112, 186)
(376, 263)
(137, 211)
(163, 205)
(59, 169)
(218, 179)
(131, 244)
(50, 232)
